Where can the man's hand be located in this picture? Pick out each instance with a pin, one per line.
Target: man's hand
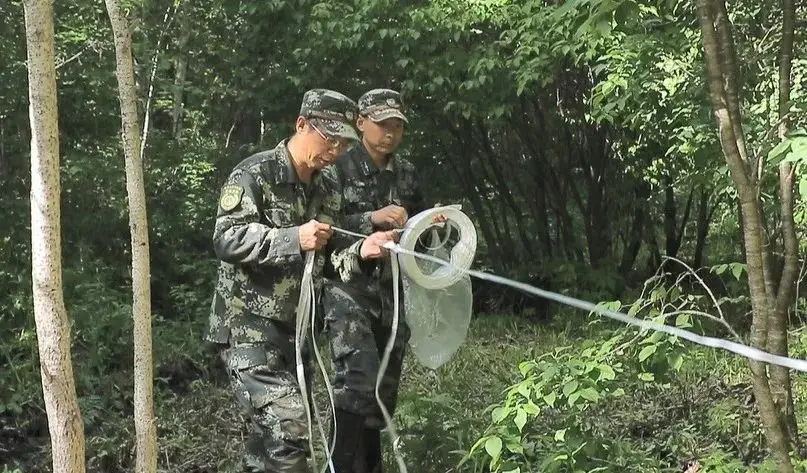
(391, 216)
(314, 235)
(439, 218)
(373, 245)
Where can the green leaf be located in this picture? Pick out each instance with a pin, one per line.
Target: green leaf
(647, 352)
(655, 337)
(531, 409)
(515, 447)
(590, 394)
(573, 398)
(778, 150)
(570, 387)
(604, 27)
(521, 419)
(549, 399)
(676, 361)
(803, 187)
(549, 373)
(606, 373)
(560, 435)
(683, 320)
(524, 389)
(499, 414)
(494, 447)
(647, 376)
(737, 270)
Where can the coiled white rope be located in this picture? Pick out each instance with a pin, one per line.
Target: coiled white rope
(462, 254)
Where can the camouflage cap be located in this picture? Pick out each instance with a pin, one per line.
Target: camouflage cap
(335, 112)
(380, 104)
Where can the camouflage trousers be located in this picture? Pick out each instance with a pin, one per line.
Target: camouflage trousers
(357, 329)
(263, 377)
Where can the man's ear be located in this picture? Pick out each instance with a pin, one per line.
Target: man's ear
(299, 126)
(360, 123)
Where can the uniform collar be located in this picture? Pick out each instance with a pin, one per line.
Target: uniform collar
(365, 162)
(284, 171)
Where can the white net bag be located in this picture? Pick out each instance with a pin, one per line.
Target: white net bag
(437, 298)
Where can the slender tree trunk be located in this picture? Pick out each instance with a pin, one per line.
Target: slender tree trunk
(670, 218)
(634, 242)
(721, 77)
(52, 325)
(731, 74)
(168, 18)
(777, 339)
(597, 225)
(3, 164)
(704, 218)
(180, 72)
(146, 446)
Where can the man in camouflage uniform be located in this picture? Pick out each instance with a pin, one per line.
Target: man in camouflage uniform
(267, 218)
(378, 191)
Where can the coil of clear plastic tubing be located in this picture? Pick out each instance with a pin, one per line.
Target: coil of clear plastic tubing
(461, 255)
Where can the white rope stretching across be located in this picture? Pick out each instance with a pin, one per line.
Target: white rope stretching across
(461, 258)
(734, 347)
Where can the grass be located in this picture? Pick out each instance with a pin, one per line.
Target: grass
(704, 411)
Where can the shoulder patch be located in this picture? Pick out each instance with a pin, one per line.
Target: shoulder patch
(230, 197)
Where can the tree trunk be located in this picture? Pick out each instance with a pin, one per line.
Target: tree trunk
(721, 77)
(180, 73)
(704, 218)
(3, 164)
(167, 19)
(146, 446)
(598, 228)
(670, 218)
(52, 325)
(777, 338)
(634, 242)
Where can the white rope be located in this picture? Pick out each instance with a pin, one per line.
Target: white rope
(306, 312)
(459, 265)
(382, 369)
(462, 254)
(734, 347)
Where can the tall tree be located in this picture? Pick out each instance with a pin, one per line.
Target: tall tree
(52, 325)
(146, 458)
(770, 296)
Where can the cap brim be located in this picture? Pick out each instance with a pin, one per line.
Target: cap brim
(381, 115)
(339, 129)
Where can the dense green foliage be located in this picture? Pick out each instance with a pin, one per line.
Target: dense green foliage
(577, 134)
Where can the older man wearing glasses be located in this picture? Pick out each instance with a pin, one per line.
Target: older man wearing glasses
(267, 218)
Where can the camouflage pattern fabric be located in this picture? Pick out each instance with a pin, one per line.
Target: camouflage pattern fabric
(252, 315)
(256, 238)
(381, 104)
(334, 111)
(262, 377)
(358, 304)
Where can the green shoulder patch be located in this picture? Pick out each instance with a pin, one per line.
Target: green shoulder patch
(230, 197)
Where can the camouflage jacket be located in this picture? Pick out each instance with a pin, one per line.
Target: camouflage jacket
(256, 239)
(361, 187)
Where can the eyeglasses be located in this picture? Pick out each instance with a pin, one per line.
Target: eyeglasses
(334, 144)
